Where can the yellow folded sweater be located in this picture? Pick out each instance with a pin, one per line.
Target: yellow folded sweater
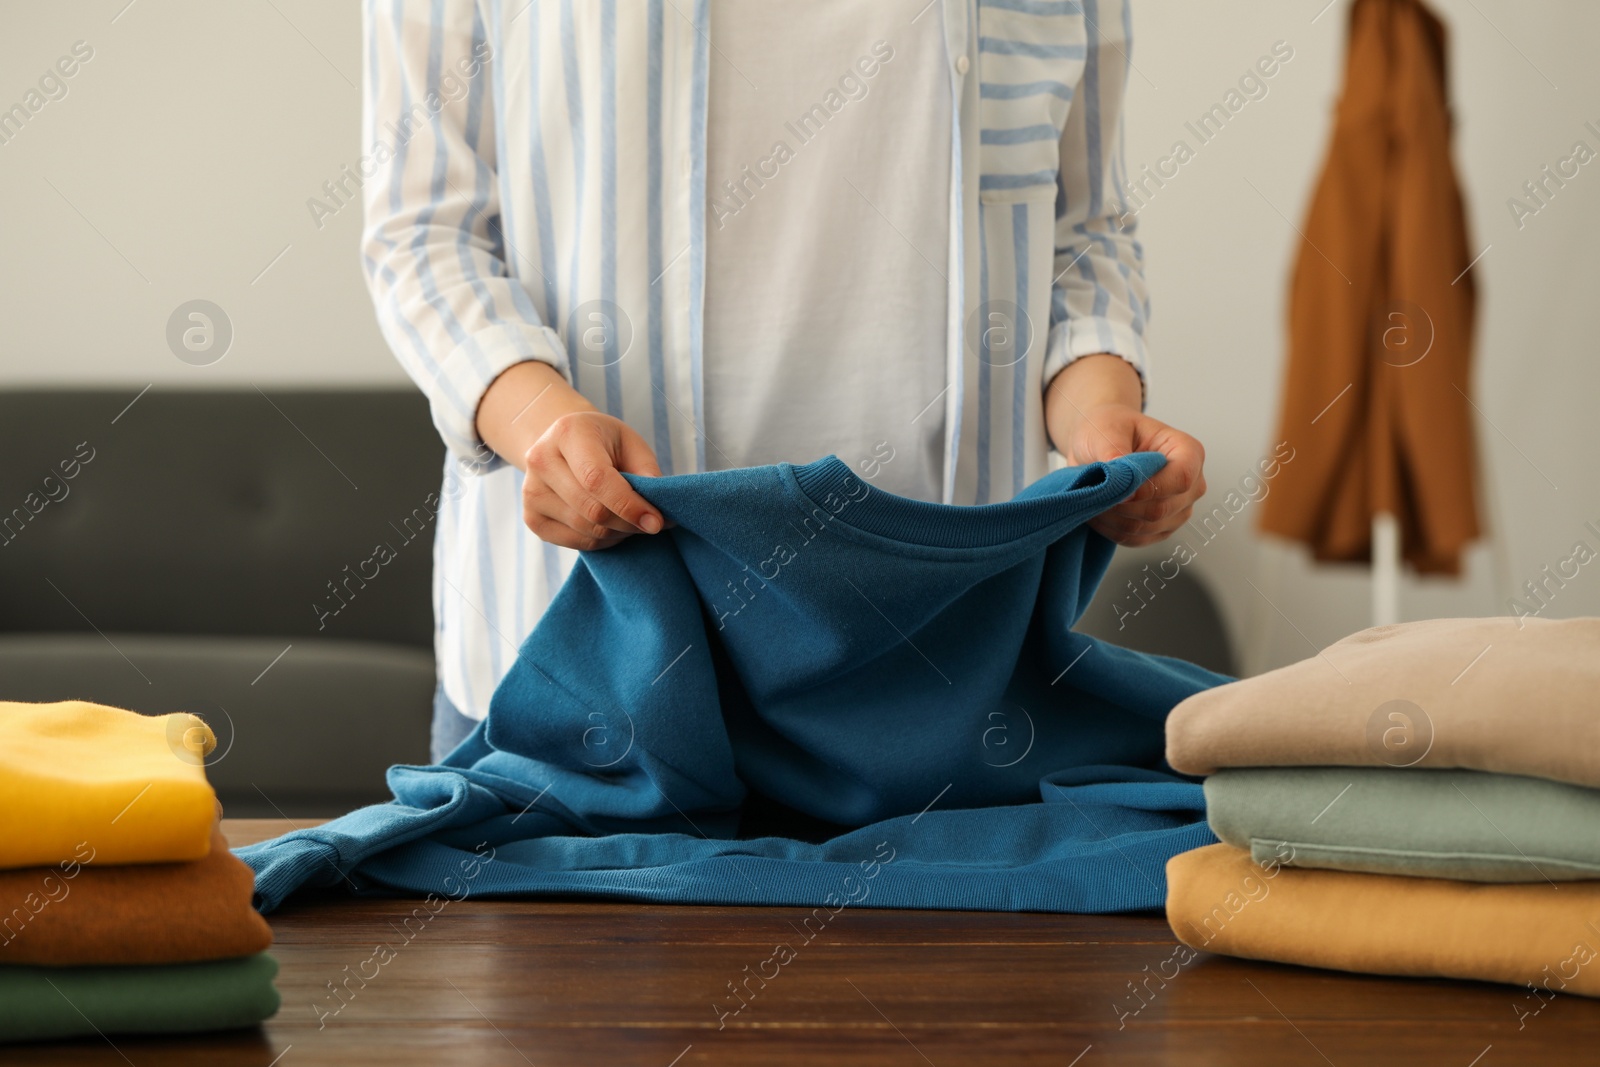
(1220, 900)
(85, 783)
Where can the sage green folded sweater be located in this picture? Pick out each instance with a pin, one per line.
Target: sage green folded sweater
(51, 1002)
(1466, 825)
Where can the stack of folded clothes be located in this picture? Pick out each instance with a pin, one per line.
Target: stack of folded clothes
(1419, 799)
(121, 908)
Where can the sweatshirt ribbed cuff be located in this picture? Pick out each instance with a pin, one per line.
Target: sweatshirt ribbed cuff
(285, 864)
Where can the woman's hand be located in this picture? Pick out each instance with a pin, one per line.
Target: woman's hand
(1092, 412)
(572, 458)
(574, 494)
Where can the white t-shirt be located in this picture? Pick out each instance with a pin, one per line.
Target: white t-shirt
(827, 234)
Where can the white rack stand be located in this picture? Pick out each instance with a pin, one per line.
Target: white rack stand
(1385, 569)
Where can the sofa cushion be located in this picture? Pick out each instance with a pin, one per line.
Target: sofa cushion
(219, 512)
(307, 732)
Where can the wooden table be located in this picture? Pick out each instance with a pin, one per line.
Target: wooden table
(597, 984)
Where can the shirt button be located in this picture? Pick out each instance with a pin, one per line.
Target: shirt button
(962, 64)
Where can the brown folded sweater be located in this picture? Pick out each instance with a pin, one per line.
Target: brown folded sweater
(78, 912)
(1508, 695)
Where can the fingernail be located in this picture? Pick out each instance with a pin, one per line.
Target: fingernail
(650, 524)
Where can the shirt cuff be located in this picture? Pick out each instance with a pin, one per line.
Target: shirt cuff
(466, 374)
(1075, 338)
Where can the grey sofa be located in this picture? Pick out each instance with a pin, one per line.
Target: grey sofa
(212, 551)
(1139, 606)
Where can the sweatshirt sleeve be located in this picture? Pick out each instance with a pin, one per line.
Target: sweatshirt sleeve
(1098, 301)
(452, 309)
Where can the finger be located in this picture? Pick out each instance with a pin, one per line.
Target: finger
(1131, 535)
(1184, 501)
(1137, 534)
(594, 470)
(582, 508)
(551, 488)
(1155, 485)
(1162, 515)
(550, 476)
(1099, 441)
(1168, 526)
(554, 520)
(555, 534)
(1158, 507)
(1182, 469)
(636, 457)
(1145, 511)
(1118, 530)
(585, 537)
(1177, 521)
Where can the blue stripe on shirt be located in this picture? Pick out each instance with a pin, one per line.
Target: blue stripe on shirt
(608, 204)
(1036, 7)
(1016, 181)
(653, 240)
(580, 158)
(697, 223)
(1019, 134)
(543, 216)
(1008, 47)
(1023, 333)
(1020, 90)
(981, 493)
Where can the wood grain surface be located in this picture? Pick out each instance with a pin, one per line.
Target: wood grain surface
(584, 983)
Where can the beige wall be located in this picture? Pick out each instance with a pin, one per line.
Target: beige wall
(178, 164)
(190, 142)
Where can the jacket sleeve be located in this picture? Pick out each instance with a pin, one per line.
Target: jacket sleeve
(452, 309)
(1098, 300)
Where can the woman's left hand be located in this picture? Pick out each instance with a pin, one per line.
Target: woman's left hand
(1095, 415)
(1162, 504)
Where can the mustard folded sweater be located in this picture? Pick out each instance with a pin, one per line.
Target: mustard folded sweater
(1220, 900)
(85, 783)
(1509, 695)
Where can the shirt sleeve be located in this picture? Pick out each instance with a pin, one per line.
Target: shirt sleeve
(453, 311)
(1098, 301)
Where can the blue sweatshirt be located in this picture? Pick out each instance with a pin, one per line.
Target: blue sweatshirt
(902, 674)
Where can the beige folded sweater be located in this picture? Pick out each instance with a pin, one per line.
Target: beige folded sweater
(1509, 695)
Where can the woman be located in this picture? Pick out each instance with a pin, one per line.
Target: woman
(662, 236)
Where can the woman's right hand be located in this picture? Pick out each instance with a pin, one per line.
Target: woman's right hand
(571, 456)
(574, 494)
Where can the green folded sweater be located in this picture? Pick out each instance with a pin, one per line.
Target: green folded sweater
(1467, 825)
(47, 1002)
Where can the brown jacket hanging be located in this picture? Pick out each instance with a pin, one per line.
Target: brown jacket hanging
(1375, 400)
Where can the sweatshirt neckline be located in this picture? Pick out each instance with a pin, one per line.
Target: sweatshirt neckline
(846, 498)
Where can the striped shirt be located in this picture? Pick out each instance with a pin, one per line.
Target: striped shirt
(538, 167)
